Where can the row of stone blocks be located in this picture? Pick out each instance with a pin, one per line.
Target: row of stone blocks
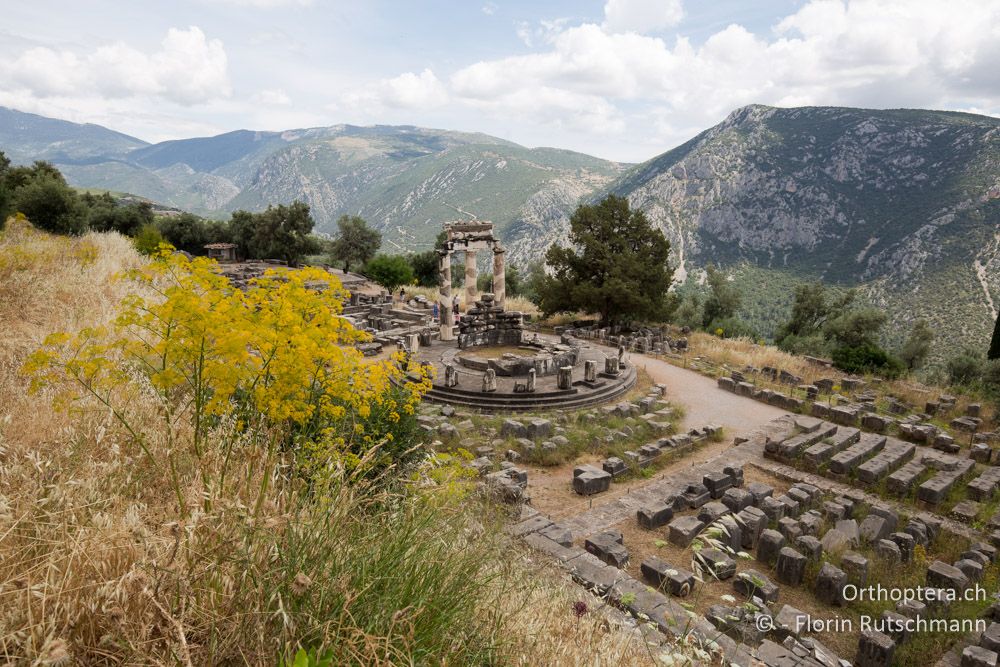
(862, 414)
(873, 458)
(645, 405)
(775, 398)
(723, 485)
(647, 454)
(534, 429)
(598, 569)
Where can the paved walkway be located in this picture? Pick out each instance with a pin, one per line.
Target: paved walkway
(703, 401)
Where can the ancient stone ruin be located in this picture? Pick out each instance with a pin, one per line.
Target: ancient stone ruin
(469, 238)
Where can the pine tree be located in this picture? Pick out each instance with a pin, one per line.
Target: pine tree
(617, 266)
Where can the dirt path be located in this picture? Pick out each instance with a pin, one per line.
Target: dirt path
(703, 401)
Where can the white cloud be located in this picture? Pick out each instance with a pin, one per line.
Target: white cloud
(641, 16)
(406, 91)
(188, 69)
(880, 53)
(273, 97)
(490, 8)
(265, 4)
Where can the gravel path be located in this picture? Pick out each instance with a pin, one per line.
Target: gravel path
(703, 401)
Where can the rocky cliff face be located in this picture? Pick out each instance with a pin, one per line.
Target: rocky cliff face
(905, 204)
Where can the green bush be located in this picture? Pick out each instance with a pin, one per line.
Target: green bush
(148, 240)
(814, 344)
(732, 327)
(389, 271)
(867, 358)
(965, 368)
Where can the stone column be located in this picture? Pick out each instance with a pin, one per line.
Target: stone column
(444, 296)
(499, 281)
(590, 370)
(564, 377)
(471, 275)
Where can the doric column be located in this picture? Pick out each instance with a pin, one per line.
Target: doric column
(471, 276)
(444, 296)
(499, 280)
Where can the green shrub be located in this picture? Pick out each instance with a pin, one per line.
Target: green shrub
(814, 344)
(148, 240)
(732, 327)
(389, 271)
(867, 358)
(965, 368)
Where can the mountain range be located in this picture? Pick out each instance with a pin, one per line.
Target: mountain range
(903, 204)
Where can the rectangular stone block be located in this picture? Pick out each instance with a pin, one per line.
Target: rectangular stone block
(753, 521)
(934, 490)
(902, 481)
(895, 454)
(684, 529)
(655, 516)
(847, 460)
(717, 483)
(608, 547)
(773, 508)
(593, 574)
(592, 481)
(665, 577)
(737, 499)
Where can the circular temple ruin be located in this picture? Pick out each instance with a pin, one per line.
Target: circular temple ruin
(487, 362)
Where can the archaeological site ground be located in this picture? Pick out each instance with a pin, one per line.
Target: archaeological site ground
(786, 516)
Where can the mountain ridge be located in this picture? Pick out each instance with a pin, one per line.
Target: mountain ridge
(902, 203)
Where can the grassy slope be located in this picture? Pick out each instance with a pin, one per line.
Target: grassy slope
(94, 566)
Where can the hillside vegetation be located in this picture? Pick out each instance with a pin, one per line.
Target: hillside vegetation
(903, 204)
(145, 519)
(405, 180)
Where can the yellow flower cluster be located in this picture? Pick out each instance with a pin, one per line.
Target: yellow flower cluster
(281, 349)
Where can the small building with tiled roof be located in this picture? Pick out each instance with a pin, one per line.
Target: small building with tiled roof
(222, 252)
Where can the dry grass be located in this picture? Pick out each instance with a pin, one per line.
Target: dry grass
(96, 565)
(736, 353)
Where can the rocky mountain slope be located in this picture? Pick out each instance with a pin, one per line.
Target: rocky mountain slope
(404, 180)
(902, 203)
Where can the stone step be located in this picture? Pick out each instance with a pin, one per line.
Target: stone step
(492, 402)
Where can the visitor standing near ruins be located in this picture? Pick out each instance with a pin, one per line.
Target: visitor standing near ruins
(434, 311)
(454, 306)
(402, 295)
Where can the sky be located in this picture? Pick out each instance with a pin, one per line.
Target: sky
(619, 79)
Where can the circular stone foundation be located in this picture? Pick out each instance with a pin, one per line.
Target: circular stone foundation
(507, 361)
(511, 366)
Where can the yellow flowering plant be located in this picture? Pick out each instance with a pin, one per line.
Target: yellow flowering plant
(278, 356)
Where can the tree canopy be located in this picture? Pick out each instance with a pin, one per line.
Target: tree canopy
(389, 271)
(48, 202)
(281, 232)
(616, 266)
(723, 299)
(357, 242)
(918, 345)
(425, 268)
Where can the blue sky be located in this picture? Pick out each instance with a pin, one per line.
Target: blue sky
(622, 79)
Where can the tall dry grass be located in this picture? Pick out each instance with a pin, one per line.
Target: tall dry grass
(736, 353)
(97, 565)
